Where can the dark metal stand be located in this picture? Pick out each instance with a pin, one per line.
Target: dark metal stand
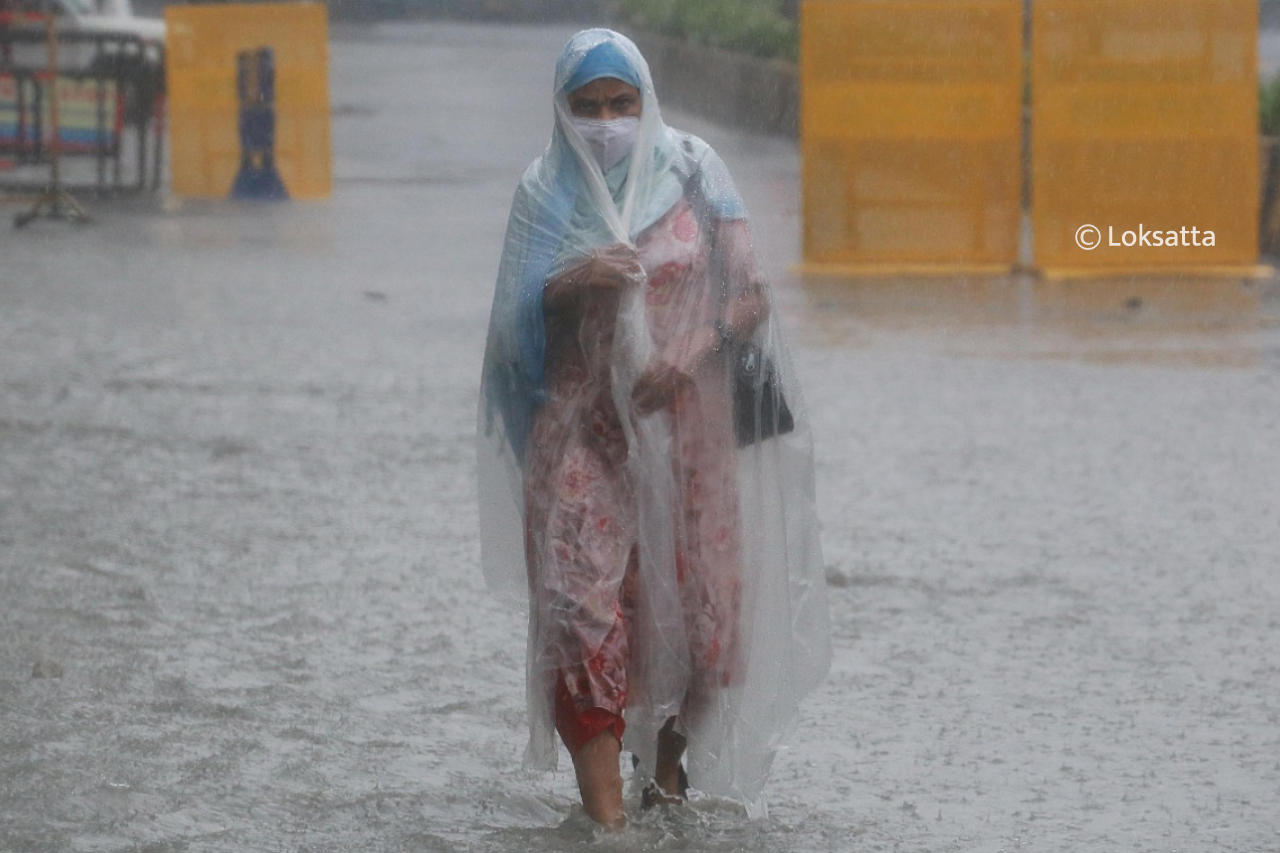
(55, 202)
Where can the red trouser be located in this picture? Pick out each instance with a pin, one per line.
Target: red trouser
(578, 728)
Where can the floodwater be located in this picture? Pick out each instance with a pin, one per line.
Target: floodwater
(240, 598)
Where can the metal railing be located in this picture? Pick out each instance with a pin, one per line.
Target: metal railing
(110, 108)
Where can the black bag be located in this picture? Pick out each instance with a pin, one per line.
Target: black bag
(759, 409)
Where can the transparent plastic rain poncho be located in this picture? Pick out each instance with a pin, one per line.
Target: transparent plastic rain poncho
(667, 553)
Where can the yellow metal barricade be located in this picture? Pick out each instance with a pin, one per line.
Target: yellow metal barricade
(207, 47)
(911, 135)
(1145, 134)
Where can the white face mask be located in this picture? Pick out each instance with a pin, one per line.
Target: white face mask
(609, 139)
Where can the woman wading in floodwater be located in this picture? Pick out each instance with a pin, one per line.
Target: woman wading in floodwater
(645, 464)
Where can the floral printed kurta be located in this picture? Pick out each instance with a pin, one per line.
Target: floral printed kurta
(580, 506)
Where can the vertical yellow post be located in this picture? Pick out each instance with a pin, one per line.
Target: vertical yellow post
(911, 135)
(1145, 131)
(202, 46)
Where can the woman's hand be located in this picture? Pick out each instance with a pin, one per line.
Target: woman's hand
(672, 370)
(609, 268)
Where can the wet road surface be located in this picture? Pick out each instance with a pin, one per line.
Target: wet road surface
(240, 599)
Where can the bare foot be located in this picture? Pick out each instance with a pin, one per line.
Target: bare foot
(600, 781)
(671, 786)
(655, 796)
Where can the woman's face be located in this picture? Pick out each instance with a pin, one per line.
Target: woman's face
(606, 98)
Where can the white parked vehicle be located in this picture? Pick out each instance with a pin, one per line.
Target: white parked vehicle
(76, 22)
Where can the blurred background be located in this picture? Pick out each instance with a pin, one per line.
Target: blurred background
(240, 598)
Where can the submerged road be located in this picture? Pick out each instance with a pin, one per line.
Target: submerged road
(240, 597)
